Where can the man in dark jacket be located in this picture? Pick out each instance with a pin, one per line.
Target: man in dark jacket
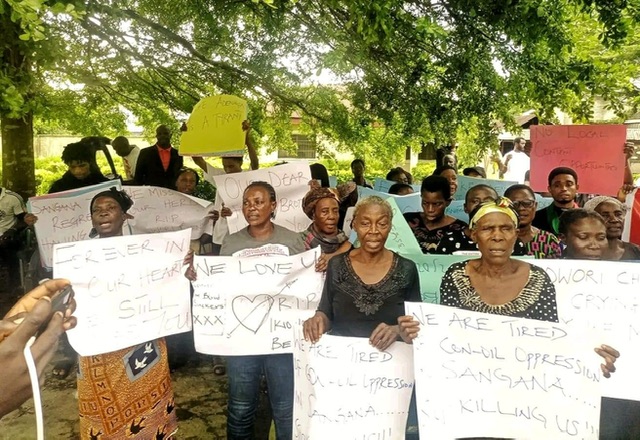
(159, 164)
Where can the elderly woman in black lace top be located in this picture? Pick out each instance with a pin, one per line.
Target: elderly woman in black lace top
(496, 283)
(365, 289)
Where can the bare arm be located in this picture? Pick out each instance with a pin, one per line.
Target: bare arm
(628, 153)
(199, 160)
(251, 149)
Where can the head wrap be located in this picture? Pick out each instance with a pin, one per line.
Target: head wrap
(592, 204)
(502, 205)
(121, 197)
(345, 190)
(313, 196)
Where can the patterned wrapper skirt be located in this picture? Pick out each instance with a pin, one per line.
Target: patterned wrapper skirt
(127, 394)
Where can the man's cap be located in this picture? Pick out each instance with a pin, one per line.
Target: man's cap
(479, 170)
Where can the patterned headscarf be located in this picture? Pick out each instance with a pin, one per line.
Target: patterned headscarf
(592, 204)
(313, 196)
(502, 204)
(346, 189)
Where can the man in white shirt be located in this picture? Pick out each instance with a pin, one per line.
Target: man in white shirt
(128, 153)
(516, 162)
(13, 219)
(231, 164)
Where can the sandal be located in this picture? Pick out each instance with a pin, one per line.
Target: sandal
(62, 368)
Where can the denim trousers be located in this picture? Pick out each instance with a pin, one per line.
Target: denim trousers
(244, 386)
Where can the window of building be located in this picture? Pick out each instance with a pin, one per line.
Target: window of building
(306, 148)
(428, 151)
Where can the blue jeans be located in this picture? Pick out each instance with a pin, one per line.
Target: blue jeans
(244, 383)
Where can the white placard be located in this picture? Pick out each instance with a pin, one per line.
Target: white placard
(348, 219)
(481, 375)
(603, 297)
(64, 217)
(128, 290)
(246, 306)
(347, 389)
(291, 183)
(158, 209)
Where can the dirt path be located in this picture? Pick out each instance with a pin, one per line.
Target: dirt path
(200, 399)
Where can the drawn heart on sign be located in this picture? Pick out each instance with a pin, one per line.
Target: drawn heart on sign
(251, 313)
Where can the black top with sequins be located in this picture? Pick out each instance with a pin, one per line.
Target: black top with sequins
(537, 300)
(356, 308)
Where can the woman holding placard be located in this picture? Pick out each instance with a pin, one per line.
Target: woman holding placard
(125, 393)
(587, 237)
(259, 209)
(496, 283)
(365, 289)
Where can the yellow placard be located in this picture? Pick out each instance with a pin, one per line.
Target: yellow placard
(215, 126)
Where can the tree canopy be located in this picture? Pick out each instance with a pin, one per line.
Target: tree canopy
(404, 72)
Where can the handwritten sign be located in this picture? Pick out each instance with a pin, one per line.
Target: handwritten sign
(406, 203)
(401, 238)
(465, 183)
(128, 290)
(595, 152)
(291, 182)
(64, 217)
(602, 297)
(480, 375)
(456, 210)
(244, 306)
(215, 127)
(383, 185)
(345, 388)
(431, 269)
(164, 210)
(348, 218)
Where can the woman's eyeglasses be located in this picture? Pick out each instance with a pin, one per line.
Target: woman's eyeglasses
(523, 204)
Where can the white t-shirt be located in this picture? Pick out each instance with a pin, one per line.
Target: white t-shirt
(11, 205)
(517, 165)
(130, 161)
(221, 228)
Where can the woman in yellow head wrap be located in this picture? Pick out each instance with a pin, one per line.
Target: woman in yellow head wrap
(495, 282)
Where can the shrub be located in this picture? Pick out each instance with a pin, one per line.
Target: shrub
(422, 170)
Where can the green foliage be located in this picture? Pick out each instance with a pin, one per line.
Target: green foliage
(474, 139)
(48, 170)
(422, 170)
(409, 72)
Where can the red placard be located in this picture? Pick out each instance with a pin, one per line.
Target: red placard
(595, 152)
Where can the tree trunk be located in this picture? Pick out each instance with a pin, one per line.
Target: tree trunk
(18, 165)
